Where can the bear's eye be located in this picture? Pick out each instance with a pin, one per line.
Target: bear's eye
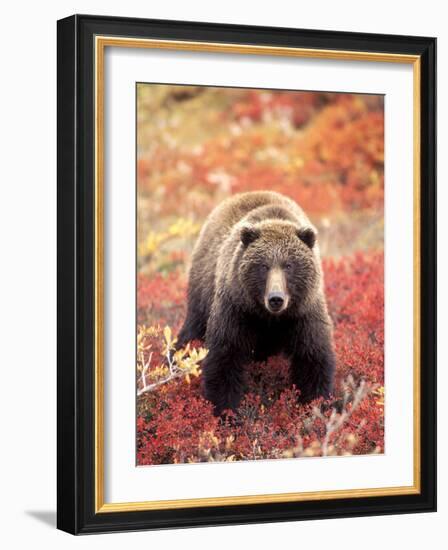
(288, 267)
(264, 267)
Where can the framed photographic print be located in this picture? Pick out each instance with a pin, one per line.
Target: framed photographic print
(246, 274)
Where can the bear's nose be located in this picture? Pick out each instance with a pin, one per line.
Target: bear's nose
(276, 300)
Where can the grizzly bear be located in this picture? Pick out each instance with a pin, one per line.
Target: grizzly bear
(256, 290)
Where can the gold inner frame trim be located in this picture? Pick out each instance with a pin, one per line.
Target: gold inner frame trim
(101, 42)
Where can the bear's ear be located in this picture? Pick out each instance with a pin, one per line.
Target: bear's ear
(307, 235)
(249, 234)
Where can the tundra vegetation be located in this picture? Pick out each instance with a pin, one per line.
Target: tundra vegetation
(197, 146)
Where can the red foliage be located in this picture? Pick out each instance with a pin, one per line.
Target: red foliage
(298, 107)
(176, 424)
(334, 164)
(161, 299)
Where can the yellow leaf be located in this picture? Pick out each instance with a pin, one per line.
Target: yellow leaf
(167, 335)
(179, 355)
(196, 371)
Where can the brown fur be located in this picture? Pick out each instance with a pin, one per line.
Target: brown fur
(247, 241)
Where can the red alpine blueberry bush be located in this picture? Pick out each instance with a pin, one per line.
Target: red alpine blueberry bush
(176, 424)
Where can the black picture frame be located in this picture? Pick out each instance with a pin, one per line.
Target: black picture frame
(76, 286)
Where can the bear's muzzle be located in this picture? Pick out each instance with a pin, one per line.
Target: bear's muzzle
(276, 296)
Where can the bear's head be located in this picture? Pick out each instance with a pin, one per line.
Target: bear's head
(278, 268)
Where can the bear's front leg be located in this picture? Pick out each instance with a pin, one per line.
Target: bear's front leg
(229, 347)
(223, 378)
(313, 359)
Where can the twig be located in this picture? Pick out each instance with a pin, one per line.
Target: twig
(153, 386)
(145, 370)
(335, 422)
